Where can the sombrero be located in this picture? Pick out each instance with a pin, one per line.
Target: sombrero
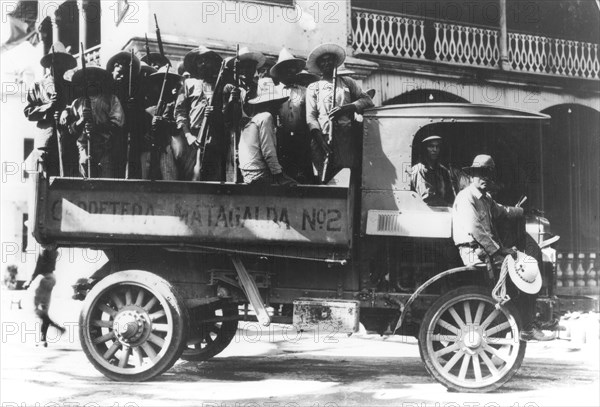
(61, 57)
(189, 61)
(524, 273)
(305, 78)
(267, 92)
(154, 84)
(155, 58)
(146, 70)
(126, 57)
(245, 54)
(322, 49)
(286, 59)
(93, 75)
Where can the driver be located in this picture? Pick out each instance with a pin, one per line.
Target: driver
(474, 231)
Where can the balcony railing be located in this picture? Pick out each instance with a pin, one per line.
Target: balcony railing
(403, 36)
(92, 56)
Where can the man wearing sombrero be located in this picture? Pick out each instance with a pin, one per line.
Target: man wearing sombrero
(235, 100)
(429, 178)
(102, 123)
(161, 130)
(474, 217)
(193, 103)
(293, 137)
(258, 144)
(343, 145)
(119, 66)
(45, 100)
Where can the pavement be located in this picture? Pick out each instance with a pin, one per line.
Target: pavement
(277, 367)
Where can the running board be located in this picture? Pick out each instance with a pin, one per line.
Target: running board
(249, 286)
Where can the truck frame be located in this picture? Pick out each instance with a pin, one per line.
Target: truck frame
(189, 260)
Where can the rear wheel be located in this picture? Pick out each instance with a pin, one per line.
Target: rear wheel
(212, 328)
(467, 344)
(133, 325)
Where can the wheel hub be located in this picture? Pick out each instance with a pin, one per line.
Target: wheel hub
(472, 339)
(129, 325)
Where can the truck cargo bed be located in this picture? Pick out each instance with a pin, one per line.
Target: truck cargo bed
(88, 212)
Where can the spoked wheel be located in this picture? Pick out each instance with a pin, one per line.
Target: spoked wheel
(212, 328)
(133, 326)
(467, 344)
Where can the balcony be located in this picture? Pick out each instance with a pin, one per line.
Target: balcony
(91, 55)
(408, 37)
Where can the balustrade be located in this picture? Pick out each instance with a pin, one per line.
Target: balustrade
(403, 36)
(388, 35)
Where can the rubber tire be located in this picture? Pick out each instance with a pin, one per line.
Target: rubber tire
(473, 292)
(167, 296)
(226, 334)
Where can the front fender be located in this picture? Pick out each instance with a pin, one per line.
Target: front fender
(426, 284)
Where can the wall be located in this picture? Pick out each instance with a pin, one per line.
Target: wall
(259, 26)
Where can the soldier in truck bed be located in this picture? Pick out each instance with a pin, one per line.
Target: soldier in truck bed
(45, 101)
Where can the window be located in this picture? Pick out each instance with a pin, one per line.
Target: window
(284, 3)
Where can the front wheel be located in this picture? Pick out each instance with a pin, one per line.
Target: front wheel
(467, 344)
(133, 326)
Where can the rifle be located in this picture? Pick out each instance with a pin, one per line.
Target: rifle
(87, 104)
(331, 128)
(130, 122)
(204, 134)
(55, 130)
(158, 38)
(147, 49)
(161, 106)
(237, 116)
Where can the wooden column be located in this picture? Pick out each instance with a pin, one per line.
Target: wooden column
(81, 5)
(503, 38)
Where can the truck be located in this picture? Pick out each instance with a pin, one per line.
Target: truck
(189, 260)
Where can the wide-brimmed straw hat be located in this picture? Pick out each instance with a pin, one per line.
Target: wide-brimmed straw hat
(154, 84)
(323, 49)
(189, 61)
(155, 58)
(61, 57)
(268, 92)
(146, 70)
(305, 78)
(524, 273)
(481, 162)
(286, 59)
(246, 55)
(126, 57)
(93, 75)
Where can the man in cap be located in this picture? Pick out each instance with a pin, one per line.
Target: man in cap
(429, 178)
(101, 122)
(192, 105)
(119, 66)
(341, 146)
(474, 217)
(258, 144)
(45, 101)
(293, 137)
(235, 100)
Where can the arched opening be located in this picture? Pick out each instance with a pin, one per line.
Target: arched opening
(571, 153)
(425, 96)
